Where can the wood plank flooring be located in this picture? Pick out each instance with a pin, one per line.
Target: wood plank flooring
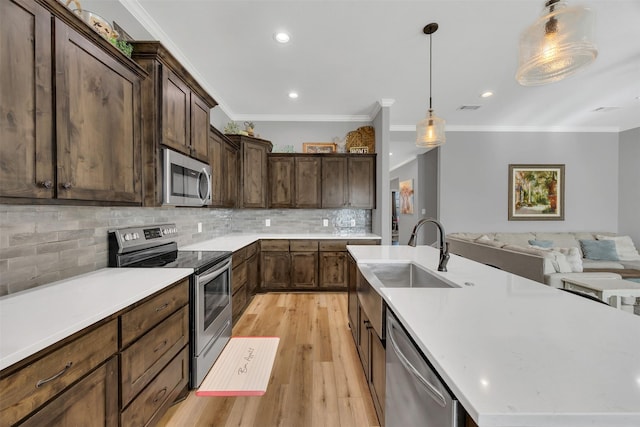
(317, 379)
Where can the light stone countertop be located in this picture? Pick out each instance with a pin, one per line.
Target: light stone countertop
(516, 352)
(34, 319)
(234, 241)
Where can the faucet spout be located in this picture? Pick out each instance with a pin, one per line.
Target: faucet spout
(444, 247)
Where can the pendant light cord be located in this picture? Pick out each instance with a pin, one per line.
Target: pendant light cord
(430, 70)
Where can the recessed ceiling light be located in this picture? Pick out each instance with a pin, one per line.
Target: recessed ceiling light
(293, 95)
(282, 37)
(486, 94)
(468, 107)
(391, 154)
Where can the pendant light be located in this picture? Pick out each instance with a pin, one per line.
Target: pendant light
(430, 130)
(557, 45)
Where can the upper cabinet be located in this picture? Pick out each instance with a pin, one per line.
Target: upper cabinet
(223, 157)
(253, 171)
(175, 111)
(91, 152)
(349, 181)
(294, 181)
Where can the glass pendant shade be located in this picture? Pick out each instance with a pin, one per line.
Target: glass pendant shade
(430, 131)
(557, 45)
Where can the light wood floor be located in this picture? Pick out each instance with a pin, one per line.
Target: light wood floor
(317, 379)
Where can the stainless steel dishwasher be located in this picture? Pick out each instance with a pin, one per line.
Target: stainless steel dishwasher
(415, 395)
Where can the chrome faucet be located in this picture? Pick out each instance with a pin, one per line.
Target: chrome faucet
(444, 247)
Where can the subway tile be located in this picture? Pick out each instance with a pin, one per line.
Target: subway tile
(56, 247)
(18, 251)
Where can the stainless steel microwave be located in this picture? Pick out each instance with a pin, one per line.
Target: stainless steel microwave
(186, 181)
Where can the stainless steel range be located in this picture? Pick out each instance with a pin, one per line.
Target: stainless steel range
(210, 285)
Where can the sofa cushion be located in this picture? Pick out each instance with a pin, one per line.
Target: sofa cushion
(465, 236)
(624, 247)
(573, 258)
(590, 263)
(561, 240)
(541, 243)
(601, 250)
(518, 239)
(492, 243)
(634, 265)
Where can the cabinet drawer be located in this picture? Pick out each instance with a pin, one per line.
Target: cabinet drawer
(364, 242)
(147, 356)
(30, 387)
(274, 245)
(238, 277)
(239, 256)
(145, 316)
(303, 245)
(252, 249)
(333, 245)
(159, 394)
(91, 402)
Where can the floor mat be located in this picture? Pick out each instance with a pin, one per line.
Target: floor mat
(242, 369)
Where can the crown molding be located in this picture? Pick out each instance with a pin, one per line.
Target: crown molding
(301, 118)
(461, 128)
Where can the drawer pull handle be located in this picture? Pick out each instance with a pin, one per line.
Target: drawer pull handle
(162, 344)
(160, 395)
(40, 383)
(162, 307)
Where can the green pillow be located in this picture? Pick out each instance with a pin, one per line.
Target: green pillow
(541, 243)
(600, 250)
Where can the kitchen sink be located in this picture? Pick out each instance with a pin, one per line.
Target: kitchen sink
(404, 275)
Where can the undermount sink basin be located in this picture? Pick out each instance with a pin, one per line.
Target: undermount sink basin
(409, 275)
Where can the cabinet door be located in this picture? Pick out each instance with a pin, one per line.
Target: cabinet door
(253, 272)
(363, 340)
(98, 122)
(352, 297)
(254, 179)
(362, 182)
(230, 168)
(276, 267)
(304, 269)
(377, 372)
(334, 182)
(91, 402)
(281, 184)
(307, 183)
(176, 107)
(199, 128)
(334, 270)
(26, 123)
(216, 160)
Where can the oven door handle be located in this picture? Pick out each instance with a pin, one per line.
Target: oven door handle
(206, 277)
(204, 199)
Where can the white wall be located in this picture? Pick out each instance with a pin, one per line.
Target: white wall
(474, 179)
(629, 185)
(406, 222)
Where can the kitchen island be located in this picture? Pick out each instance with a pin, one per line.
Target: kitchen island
(515, 352)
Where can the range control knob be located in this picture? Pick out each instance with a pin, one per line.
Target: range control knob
(127, 237)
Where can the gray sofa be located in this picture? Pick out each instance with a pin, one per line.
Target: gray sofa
(512, 252)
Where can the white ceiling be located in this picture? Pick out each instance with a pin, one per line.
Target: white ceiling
(346, 56)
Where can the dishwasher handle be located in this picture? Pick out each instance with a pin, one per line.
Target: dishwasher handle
(432, 389)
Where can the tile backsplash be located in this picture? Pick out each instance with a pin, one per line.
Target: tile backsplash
(42, 244)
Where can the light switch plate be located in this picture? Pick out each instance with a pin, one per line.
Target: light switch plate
(199, 227)
(325, 222)
(353, 222)
(267, 223)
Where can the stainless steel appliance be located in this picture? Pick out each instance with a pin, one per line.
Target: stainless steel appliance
(415, 395)
(186, 181)
(210, 285)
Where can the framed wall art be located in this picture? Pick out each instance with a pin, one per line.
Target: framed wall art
(319, 147)
(406, 197)
(536, 192)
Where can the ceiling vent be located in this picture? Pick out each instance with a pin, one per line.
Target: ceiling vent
(468, 107)
(605, 109)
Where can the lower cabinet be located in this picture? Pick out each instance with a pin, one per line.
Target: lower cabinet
(352, 297)
(244, 278)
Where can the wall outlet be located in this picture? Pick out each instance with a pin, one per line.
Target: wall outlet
(424, 211)
(325, 222)
(267, 223)
(199, 227)
(353, 222)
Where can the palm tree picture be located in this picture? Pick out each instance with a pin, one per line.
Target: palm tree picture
(536, 192)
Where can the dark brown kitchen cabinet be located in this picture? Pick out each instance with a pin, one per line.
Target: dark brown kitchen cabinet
(304, 264)
(253, 269)
(307, 182)
(275, 264)
(92, 150)
(281, 184)
(334, 270)
(352, 297)
(223, 157)
(253, 171)
(175, 111)
(349, 181)
(26, 139)
(239, 283)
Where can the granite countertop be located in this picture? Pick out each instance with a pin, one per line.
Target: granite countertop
(516, 352)
(34, 319)
(234, 241)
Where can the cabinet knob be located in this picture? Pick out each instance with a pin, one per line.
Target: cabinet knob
(67, 185)
(46, 184)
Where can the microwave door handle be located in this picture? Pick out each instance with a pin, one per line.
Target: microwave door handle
(433, 390)
(208, 276)
(206, 197)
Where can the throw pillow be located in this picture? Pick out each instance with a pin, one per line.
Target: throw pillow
(624, 247)
(541, 243)
(573, 258)
(601, 250)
